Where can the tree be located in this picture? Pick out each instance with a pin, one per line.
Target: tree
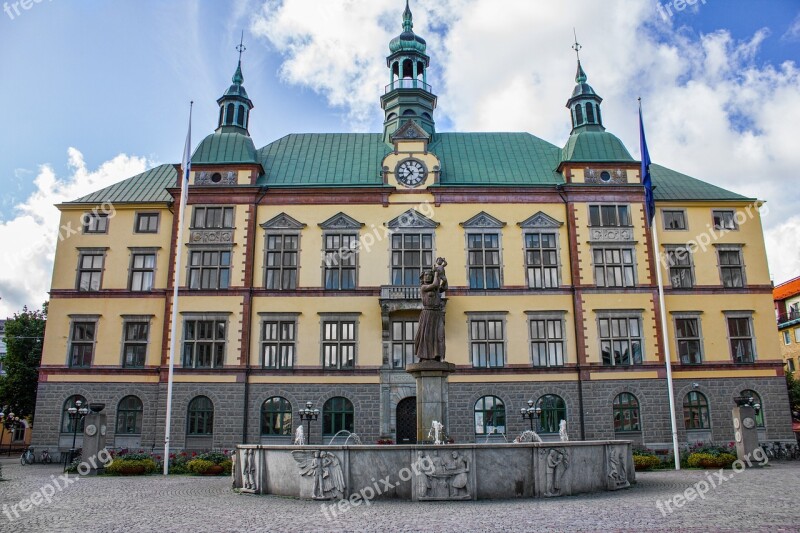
(24, 338)
(793, 386)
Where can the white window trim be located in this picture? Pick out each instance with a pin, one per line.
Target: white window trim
(488, 315)
(547, 315)
(749, 316)
(676, 315)
(338, 317)
(278, 317)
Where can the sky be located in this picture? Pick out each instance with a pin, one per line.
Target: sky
(96, 92)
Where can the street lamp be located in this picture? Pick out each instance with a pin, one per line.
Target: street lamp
(308, 414)
(76, 414)
(531, 413)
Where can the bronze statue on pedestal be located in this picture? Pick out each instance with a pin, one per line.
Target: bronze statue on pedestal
(429, 343)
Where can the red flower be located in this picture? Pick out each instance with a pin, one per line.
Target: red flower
(194, 453)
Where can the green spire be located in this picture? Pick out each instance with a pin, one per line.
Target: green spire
(238, 78)
(580, 75)
(407, 22)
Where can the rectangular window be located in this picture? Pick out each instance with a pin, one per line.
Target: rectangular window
(209, 269)
(341, 252)
(90, 271)
(81, 346)
(411, 254)
(680, 268)
(212, 218)
(724, 219)
(339, 344)
(146, 223)
(687, 337)
(797, 335)
(740, 333)
(790, 364)
(278, 343)
(484, 260)
(280, 265)
(204, 343)
(620, 341)
(614, 267)
(609, 215)
(403, 333)
(541, 260)
(547, 341)
(731, 267)
(143, 268)
(487, 343)
(134, 347)
(787, 338)
(674, 219)
(95, 223)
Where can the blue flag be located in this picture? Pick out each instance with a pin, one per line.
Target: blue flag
(650, 202)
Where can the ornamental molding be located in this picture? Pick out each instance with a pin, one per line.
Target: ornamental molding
(616, 176)
(483, 220)
(540, 220)
(411, 219)
(341, 221)
(410, 130)
(611, 235)
(211, 236)
(216, 178)
(283, 221)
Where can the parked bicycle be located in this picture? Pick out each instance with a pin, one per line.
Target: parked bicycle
(27, 458)
(44, 457)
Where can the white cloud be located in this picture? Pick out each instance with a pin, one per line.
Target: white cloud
(712, 110)
(30, 237)
(793, 32)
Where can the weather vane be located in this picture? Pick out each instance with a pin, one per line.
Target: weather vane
(241, 48)
(577, 46)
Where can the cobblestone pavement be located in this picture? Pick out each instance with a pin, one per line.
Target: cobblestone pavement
(754, 500)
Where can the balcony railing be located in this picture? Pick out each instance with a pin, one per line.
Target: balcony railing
(788, 317)
(396, 292)
(408, 83)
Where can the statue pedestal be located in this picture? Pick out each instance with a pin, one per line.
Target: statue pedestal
(431, 377)
(94, 440)
(745, 432)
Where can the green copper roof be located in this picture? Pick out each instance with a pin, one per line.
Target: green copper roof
(595, 147)
(147, 187)
(408, 40)
(226, 147)
(671, 185)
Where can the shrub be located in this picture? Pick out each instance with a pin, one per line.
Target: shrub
(215, 457)
(131, 467)
(227, 466)
(645, 462)
(708, 460)
(199, 466)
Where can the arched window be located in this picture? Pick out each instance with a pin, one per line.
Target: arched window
(201, 417)
(337, 415)
(276, 417)
(221, 114)
(599, 118)
(749, 393)
(490, 416)
(129, 416)
(589, 113)
(420, 68)
(554, 410)
(229, 115)
(66, 423)
(578, 115)
(408, 68)
(695, 411)
(409, 112)
(240, 115)
(426, 115)
(626, 413)
(391, 116)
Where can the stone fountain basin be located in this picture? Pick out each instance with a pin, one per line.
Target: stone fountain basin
(494, 470)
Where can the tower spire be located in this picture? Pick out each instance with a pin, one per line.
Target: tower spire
(238, 78)
(235, 105)
(584, 104)
(408, 23)
(580, 75)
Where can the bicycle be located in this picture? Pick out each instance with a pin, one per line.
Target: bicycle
(27, 457)
(45, 457)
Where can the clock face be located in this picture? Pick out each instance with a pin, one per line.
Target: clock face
(749, 423)
(411, 172)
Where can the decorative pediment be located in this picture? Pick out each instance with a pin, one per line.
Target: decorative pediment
(410, 130)
(228, 177)
(341, 221)
(483, 220)
(283, 221)
(540, 220)
(411, 219)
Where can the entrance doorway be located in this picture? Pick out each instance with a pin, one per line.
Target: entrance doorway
(406, 420)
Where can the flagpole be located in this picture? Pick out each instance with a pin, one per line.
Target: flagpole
(646, 181)
(186, 165)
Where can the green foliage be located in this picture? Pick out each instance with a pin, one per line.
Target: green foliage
(227, 466)
(215, 457)
(24, 338)
(707, 460)
(793, 387)
(645, 462)
(643, 452)
(199, 466)
(131, 467)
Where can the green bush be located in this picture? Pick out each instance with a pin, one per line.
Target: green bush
(645, 462)
(227, 466)
(215, 457)
(199, 466)
(709, 460)
(131, 467)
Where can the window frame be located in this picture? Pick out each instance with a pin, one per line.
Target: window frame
(689, 315)
(281, 268)
(701, 409)
(333, 258)
(330, 420)
(489, 413)
(201, 269)
(620, 315)
(280, 319)
(787, 337)
(215, 319)
(483, 267)
(672, 211)
(149, 215)
(224, 210)
(486, 318)
(66, 427)
(339, 319)
(198, 417)
(673, 253)
(124, 415)
(414, 270)
(90, 252)
(721, 227)
(74, 321)
(547, 316)
(622, 266)
(728, 248)
(278, 417)
(550, 429)
(741, 315)
(125, 342)
(633, 409)
(404, 343)
(601, 215)
(89, 223)
(133, 269)
(555, 249)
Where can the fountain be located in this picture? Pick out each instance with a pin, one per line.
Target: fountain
(434, 470)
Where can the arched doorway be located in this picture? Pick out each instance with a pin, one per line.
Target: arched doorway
(406, 420)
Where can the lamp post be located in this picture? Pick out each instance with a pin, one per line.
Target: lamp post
(76, 414)
(307, 415)
(531, 413)
(8, 422)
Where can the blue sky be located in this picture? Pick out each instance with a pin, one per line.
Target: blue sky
(112, 78)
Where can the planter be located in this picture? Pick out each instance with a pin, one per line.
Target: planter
(132, 470)
(214, 470)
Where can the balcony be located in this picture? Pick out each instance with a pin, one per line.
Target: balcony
(397, 292)
(408, 83)
(786, 318)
